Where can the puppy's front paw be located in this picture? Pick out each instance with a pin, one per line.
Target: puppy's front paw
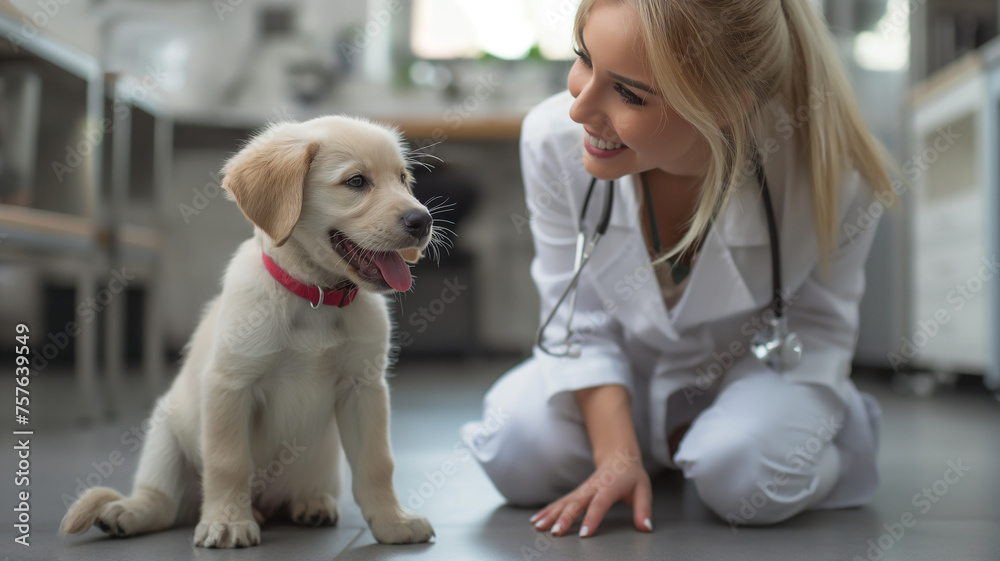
(403, 527)
(222, 533)
(320, 510)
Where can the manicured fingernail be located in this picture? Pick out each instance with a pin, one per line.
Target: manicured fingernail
(584, 532)
(649, 525)
(533, 518)
(556, 528)
(540, 523)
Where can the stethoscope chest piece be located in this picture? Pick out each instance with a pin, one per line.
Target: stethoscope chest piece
(775, 346)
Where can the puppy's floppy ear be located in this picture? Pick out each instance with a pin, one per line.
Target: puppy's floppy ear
(267, 179)
(410, 254)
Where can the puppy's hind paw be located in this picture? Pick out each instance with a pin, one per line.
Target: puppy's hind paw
(121, 518)
(321, 510)
(404, 527)
(86, 511)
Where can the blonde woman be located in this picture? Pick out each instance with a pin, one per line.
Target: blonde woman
(682, 102)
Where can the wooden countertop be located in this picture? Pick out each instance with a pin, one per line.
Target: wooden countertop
(501, 128)
(58, 225)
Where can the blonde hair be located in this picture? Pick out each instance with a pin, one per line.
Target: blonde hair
(719, 64)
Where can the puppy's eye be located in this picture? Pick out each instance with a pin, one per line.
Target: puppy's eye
(357, 181)
(402, 178)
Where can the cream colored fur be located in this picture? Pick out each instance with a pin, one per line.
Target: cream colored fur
(268, 384)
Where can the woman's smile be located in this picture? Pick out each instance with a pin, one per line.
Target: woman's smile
(601, 148)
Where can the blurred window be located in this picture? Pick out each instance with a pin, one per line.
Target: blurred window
(513, 29)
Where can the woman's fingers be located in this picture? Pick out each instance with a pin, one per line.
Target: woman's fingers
(545, 518)
(642, 505)
(599, 507)
(568, 517)
(568, 509)
(593, 502)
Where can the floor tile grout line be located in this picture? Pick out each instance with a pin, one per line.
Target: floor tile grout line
(349, 544)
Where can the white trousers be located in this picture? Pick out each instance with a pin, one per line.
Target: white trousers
(758, 452)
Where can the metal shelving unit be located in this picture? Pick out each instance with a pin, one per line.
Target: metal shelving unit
(93, 205)
(65, 225)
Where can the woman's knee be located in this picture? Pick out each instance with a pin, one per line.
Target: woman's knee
(749, 480)
(533, 449)
(529, 462)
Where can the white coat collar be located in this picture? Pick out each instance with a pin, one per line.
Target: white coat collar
(718, 286)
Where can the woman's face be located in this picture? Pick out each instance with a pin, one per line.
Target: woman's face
(616, 104)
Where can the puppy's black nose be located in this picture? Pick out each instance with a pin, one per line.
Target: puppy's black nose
(417, 223)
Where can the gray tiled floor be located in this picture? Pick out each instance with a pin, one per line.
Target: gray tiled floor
(430, 401)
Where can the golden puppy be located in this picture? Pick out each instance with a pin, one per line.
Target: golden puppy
(288, 360)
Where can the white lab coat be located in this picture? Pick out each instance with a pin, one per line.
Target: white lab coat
(629, 336)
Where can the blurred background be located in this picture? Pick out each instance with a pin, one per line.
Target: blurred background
(116, 116)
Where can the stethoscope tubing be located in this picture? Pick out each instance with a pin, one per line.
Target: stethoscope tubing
(585, 249)
(772, 233)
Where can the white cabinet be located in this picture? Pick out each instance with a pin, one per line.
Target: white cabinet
(955, 276)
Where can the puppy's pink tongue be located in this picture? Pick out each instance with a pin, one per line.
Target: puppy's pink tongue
(394, 270)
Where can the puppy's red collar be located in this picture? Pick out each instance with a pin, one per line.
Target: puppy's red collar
(316, 296)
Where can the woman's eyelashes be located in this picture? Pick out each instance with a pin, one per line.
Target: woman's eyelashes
(627, 96)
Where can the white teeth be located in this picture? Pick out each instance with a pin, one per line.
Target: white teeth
(602, 144)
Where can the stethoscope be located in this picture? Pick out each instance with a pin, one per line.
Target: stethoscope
(774, 345)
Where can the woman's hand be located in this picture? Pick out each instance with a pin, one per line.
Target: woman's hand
(620, 477)
(618, 473)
